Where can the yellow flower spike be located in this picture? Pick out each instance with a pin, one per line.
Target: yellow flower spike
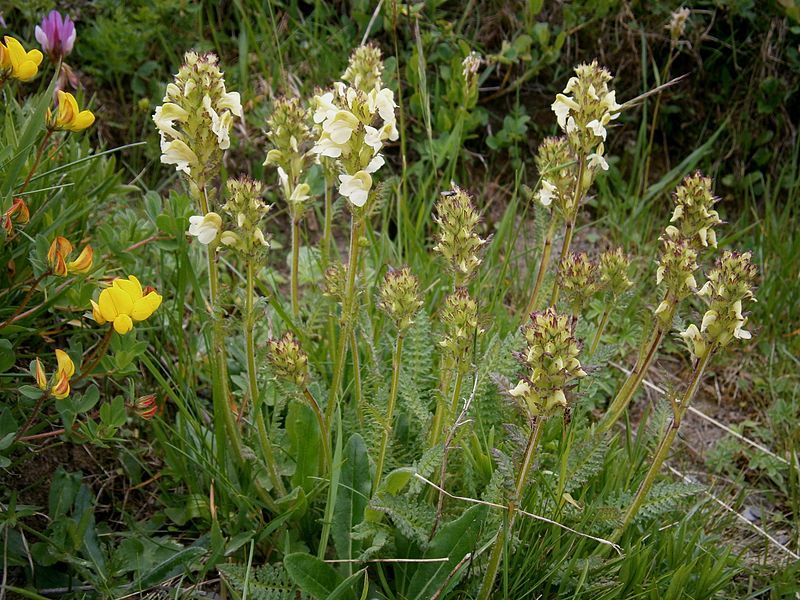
(124, 304)
(41, 377)
(70, 117)
(82, 264)
(17, 62)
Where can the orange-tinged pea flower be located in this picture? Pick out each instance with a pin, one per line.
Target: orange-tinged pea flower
(125, 303)
(146, 406)
(60, 250)
(56, 256)
(64, 371)
(18, 213)
(69, 116)
(16, 62)
(82, 264)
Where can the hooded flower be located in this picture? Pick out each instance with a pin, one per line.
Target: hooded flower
(15, 62)
(56, 35)
(356, 187)
(125, 303)
(64, 371)
(59, 251)
(196, 116)
(205, 228)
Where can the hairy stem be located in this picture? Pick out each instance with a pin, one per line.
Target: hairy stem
(328, 224)
(634, 380)
(600, 327)
(252, 382)
(544, 262)
(570, 226)
(387, 429)
(500, 541)
(356, 225)
(295, 267)
(664, 447)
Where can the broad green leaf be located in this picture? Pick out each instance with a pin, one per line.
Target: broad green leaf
(304, 444)
(7, 356)
(454, 541)
(313, 576)
(352, 497)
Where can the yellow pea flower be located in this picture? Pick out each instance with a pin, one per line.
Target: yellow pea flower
(16, 62)
(64, 371)
(69, 117)
(125, 303)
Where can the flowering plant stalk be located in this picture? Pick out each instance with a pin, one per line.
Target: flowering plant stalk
(194, 123)
(729, 285)
(614, 282)
(691, 229)
(583, 111)
(552, 365)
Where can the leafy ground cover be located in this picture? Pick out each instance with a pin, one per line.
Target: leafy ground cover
(322, 379)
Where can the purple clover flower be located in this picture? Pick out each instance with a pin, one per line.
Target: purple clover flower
(56, 34)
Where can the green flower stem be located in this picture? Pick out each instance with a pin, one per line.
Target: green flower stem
(634, 380)
(295, 267)
(600, 327)
(323, 429)
(570, 227)
(387, 429)
(456, 392)
(36, 160)
(356, 226)
(679, 410)
(359, 400)
(544, 261)
(252, 380)
(328, 224)
(219, 363)
(438, 416)
(500, 541)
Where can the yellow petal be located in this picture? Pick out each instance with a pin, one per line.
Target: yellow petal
(106, 305)
(65, 364)
(130, 286)
(67, 109)
(144, 307)
(41, 378)
(97, 313)
(123, 324)
(60, 245)
(82, 120)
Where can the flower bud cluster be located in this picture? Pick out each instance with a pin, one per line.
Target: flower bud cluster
(456, 239)
(399, 297)
(459, 316)
(335, 282)
(196, 117)
(365, 68)
(676, 267)
(353, 125)
(555, 162)
(552, 360)
(677, 23)
(18, 214)
(290, 135)
(613, 270)
(578, 279)
(288, 360)
(584, 110)
(469, 73)
(247, 208)
(694, 216)
(729, 284)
